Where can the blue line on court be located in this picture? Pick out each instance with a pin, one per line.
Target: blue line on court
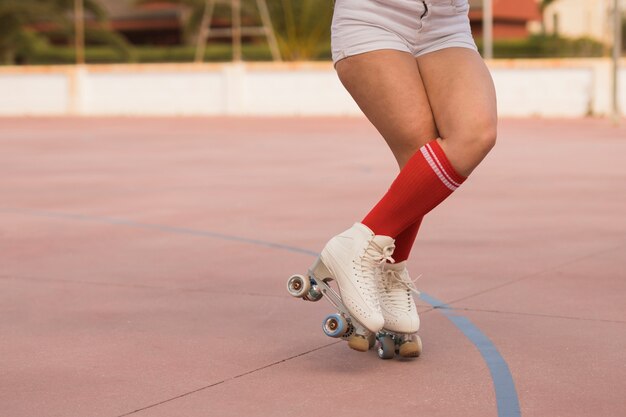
(506, 395)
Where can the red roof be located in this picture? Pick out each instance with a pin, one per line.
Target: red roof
(524, 10)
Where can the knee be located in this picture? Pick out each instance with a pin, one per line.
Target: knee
(481, 136)
(486, 138)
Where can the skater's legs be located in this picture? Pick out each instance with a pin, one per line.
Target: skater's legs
(462, 98)
(387, 86)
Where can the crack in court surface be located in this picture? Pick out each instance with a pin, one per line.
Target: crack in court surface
(230, 379)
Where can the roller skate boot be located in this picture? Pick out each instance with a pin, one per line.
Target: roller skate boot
(353, 260)
(398, 307)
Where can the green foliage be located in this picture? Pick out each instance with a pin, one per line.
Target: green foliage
(545, 46)
(214, 53)
(18, 43)
(149, 54)
(23, 45)
(116, 42)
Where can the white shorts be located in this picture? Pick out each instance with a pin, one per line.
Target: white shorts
(413, 26)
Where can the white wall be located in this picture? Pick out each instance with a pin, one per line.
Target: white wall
(544, 92)
(569, 88)
(33, 93)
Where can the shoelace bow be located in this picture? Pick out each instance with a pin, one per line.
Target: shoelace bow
(373, 258)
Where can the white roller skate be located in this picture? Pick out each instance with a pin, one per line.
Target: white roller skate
(399, 334)
(353, 259)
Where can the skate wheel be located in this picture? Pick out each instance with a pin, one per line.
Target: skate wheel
(335, 325)
(386, 347)
(358, 342)
(411, 348)
(371, 339)
(298, 286)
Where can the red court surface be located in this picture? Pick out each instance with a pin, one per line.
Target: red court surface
(143, 265)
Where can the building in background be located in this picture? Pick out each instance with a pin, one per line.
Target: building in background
(156, 24)
(511, 18)
(581, 18)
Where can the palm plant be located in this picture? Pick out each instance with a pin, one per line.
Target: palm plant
(301, 27)
(17, 15)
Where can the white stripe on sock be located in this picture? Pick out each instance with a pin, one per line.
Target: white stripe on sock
(440, 165)
(436, 169)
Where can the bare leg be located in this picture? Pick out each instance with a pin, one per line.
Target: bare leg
(387, 86)
(463, 101)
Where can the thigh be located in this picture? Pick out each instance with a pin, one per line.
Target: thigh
(387, 86)
(463, 101)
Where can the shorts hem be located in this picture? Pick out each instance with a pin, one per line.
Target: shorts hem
(348, 52)
(445, 45)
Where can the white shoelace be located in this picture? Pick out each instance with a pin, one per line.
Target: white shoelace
(373, 258)
(397, 287)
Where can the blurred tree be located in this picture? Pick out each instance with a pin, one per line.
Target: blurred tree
(17, 38)
(302, 27)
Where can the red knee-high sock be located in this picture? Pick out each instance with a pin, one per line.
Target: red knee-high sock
(404, 242)
(424, 182)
